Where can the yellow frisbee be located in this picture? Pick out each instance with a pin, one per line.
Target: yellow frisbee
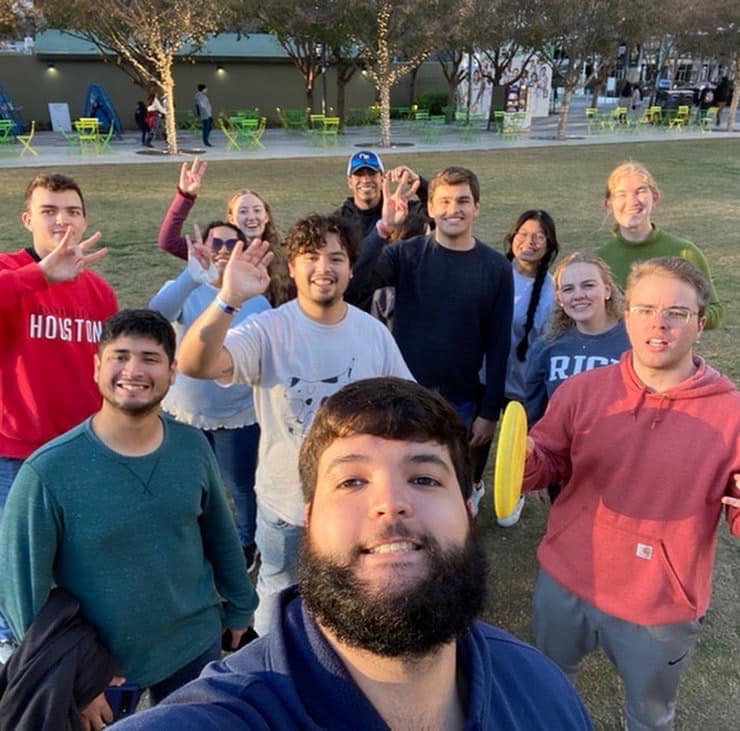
(511, 453)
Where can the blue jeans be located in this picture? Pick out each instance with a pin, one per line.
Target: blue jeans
(466, 410)
(236, 454)
(207, 127)
(279, 543)
(9, 467)
(186, 673)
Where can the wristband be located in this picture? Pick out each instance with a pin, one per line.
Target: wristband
(224, 307)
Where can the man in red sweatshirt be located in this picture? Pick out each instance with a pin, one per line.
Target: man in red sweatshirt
(626, 562)
(51, 314)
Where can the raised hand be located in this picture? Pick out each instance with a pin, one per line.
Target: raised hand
(396, 204)
(191, 177)
(200, 261)
(246, 273)
(396, 173)
(68, 259)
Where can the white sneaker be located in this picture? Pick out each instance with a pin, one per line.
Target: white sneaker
(479, 490)
(513, 518)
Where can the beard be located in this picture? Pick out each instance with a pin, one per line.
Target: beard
(408, 619)
(141, 409)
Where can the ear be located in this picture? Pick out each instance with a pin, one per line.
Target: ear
(291, 270)
(307, 515)
(96, 368)
(608, 290)
(173, 371)
(700, 325)
(26, 220)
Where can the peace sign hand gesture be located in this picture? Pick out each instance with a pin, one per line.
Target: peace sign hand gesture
(68, 259)
(192, 177)
(396, 204)
(200, 263)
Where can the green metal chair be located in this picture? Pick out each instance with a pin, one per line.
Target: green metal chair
(229, 133)
(104, 140)
(6, 131)
(25, 140)
(330, 130)
(254, 133)
(88, 133)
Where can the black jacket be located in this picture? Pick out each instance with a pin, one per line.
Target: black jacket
(60, 666)
(365, 220)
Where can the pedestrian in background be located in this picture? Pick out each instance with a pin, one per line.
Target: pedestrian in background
(203, 112)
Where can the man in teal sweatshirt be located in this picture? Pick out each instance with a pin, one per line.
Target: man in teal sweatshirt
(128, 513)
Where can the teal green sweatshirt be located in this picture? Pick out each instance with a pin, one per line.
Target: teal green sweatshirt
(147, 544)
(619, 254)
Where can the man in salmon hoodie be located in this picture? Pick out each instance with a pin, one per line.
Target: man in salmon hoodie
(626, 562)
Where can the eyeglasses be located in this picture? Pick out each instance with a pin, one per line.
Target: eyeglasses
(218, 244)
(674, 316)
(537, 238)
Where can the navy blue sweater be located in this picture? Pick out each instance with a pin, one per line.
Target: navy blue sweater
(452, 308)
(291, 678)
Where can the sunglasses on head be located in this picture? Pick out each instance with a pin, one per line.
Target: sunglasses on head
(218, 244)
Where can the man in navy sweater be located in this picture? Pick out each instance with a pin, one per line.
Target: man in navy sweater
(454, 296)
(380, 632)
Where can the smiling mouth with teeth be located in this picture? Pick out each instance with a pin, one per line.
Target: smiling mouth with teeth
(396, 547)
(132, 386)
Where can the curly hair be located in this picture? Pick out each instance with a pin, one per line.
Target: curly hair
(281, 287)
(559, 322)
(553, 248)
(308, 234)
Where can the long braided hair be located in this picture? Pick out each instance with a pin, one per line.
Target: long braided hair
(553, 247)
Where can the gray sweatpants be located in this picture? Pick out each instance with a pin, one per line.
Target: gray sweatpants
(648, 658)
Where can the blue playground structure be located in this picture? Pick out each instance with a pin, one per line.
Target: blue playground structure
(98, 104)
(9, 110)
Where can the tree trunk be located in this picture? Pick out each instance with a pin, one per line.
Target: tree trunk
(168, 88)
(564, 108)
(452, 83)
(344, 74)
(309, 98)
(732, 111)
(385, 114)
(412, 85)
(341, 90)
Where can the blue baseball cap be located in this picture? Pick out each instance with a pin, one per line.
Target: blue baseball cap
(364, 159)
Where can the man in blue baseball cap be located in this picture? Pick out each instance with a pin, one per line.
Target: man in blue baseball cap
(365, 172)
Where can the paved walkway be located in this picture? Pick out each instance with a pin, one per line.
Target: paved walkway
(54, 151)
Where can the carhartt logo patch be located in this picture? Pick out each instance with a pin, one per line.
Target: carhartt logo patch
(644, 551)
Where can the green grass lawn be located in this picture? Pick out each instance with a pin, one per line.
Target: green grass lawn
(700, 182)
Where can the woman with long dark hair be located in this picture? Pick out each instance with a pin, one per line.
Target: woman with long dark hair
(531, 246)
